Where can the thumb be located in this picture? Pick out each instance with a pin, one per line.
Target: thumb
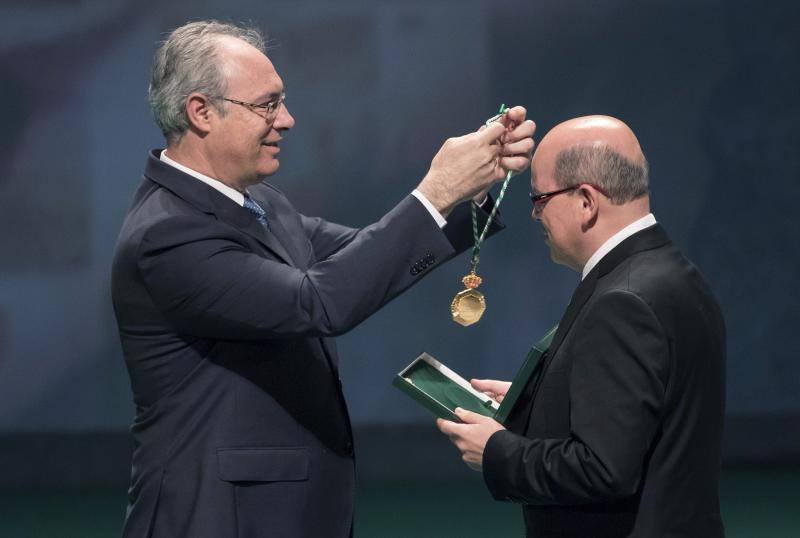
(487, 385)
(468, 417)
(492, 132)
(481, 384)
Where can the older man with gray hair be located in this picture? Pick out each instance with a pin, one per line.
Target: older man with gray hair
(617, 432)
(226, 298)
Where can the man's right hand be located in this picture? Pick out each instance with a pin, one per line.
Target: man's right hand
(470, 164)
(492, 388)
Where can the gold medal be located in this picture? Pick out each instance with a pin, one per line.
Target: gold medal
(468, 305)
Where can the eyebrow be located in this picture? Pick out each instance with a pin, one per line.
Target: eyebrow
(273, 95)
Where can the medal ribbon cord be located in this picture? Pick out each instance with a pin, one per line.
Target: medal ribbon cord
(479, 238)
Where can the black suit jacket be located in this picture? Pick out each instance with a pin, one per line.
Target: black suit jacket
(619, 434)
(241, 427)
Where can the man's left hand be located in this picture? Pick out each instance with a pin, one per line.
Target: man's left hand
(471, 436)
(517, 143)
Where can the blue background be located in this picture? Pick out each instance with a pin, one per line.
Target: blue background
(709, 86)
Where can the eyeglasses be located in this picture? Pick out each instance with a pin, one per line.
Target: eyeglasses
(267, 110)
(540, 200)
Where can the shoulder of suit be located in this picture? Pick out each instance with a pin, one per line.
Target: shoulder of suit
(649, 274)
(270, 189)
(280, 202)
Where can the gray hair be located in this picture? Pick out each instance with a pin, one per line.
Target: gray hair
(187, 62)
(621, 179)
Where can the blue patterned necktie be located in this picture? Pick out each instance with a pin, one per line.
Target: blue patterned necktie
(253, 207)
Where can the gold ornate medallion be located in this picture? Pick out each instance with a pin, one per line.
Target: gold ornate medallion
(468, 305)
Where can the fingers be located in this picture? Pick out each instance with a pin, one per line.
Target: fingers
(524, 130)
(488, 385)
(494, 388)
(516, 115)
(453, 431)
(485, 386)
(492, 132)
(521, 147)
(469, 417)
(447, 427)
(516, 163)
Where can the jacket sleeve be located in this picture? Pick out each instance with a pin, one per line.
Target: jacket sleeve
(327, 237)
(616, 396)
(208, 284)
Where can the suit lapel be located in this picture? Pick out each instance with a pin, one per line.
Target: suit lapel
(241, 218)
(579, 298)
(647, 239)
(209, 200)
(279, 232)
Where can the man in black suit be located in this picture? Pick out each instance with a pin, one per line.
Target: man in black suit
(617, 433)
(226, 297)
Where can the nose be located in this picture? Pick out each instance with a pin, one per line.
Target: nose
(536, 212)
(284, 120)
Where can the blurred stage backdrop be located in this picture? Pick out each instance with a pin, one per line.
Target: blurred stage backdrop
(711, 88)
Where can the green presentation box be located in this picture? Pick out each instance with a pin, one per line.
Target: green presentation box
(440, 390)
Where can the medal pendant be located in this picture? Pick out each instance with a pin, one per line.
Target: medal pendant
(468, 305)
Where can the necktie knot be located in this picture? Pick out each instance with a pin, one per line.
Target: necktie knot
(253, 207)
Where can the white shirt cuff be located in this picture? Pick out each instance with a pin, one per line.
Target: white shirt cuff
(440, 220)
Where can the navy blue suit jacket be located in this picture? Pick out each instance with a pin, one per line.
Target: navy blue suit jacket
(620, 433)
(241, 427)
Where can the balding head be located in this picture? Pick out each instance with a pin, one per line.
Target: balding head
(596, 130)
(595, 180)
(595, 149)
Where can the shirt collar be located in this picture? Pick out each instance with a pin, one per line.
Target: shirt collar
(636, 226)
(231, 193)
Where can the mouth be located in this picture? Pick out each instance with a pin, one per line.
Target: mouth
(272, 147)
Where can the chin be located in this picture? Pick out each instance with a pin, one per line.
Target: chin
(269, 168)
(557, 258)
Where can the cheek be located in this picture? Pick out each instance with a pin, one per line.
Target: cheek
(556, 229)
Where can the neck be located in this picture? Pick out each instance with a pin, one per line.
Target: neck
(605, 226)
(191, 155)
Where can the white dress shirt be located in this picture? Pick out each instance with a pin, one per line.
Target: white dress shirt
(238, 197)
(231, 193)
(635, 226)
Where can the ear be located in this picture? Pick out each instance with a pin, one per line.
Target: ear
(199, 112)
(589, 206)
